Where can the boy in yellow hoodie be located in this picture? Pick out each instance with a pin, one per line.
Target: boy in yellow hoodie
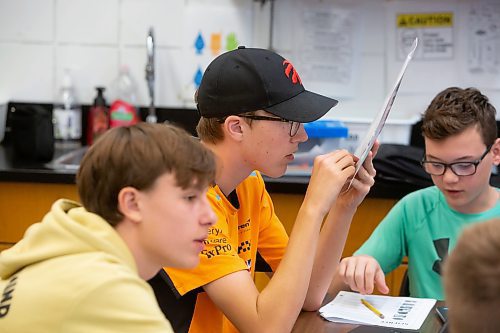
(82, 269)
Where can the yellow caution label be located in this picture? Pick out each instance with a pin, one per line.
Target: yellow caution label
(425, 20)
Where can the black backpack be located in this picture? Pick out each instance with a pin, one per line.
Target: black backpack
(401, 164)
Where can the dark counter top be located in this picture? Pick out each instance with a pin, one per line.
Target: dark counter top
(382, 189)
(13, 169)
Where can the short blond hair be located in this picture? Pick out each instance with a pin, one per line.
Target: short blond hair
(472, 279)
(210, 129)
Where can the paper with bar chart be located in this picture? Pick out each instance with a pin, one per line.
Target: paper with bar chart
(398, 312)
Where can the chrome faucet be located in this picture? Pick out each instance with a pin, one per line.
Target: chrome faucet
(150, 76)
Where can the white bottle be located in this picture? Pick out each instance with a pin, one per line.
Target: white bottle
(67, 116)
(123, 110)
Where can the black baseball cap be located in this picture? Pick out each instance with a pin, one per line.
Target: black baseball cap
(250, 79)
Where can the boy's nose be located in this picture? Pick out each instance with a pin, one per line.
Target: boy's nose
(209, 216)
(301, 135)
(449, 176)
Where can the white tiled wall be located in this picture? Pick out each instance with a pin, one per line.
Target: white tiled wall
(26, 21)
(26, 71)
(167, 15)
(40, 38)
(93, 38)
(87, 22)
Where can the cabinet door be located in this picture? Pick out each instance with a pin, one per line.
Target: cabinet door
(22, 204)
(4, 246)
(395, 278)
(367, 217)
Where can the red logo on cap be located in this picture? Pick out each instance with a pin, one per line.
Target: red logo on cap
(289, 69)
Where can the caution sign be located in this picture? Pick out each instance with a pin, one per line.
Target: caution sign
(425, 20)
(434, 31)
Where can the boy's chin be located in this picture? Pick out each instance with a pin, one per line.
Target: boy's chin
(276, 173)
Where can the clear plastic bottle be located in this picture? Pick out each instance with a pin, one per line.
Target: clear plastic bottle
(123, 111)
(67, 116)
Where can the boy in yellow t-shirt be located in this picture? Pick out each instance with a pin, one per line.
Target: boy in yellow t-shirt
(252, 105)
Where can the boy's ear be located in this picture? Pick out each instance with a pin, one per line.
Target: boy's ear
(495, 149)
(234, 127)
(128, 204)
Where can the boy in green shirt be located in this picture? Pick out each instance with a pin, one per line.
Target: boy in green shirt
(461, 146)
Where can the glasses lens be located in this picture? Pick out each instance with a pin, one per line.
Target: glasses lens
(294, 128)
(459, 169)
(463, 169)
(435, 169)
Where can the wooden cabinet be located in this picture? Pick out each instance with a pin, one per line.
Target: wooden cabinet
(367, 217)
(22, 204)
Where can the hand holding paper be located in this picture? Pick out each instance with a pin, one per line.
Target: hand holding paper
(329, 173)
(361, 182)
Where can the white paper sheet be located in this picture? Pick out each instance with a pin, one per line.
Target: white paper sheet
(399, 312)
(378, 123)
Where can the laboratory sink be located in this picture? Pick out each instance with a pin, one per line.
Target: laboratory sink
(68, 160)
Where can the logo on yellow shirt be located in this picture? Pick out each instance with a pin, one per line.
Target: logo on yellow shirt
(217, 250)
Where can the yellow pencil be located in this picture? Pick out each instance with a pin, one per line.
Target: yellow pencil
(372, 308)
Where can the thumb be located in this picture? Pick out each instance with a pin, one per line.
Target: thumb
(380, 282)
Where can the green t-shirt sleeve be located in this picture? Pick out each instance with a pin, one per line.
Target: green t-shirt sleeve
(387, 243)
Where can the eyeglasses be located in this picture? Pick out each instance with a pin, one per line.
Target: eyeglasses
(294, 126)
(458, 168)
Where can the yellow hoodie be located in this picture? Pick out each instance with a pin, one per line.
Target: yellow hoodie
(73, 273)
